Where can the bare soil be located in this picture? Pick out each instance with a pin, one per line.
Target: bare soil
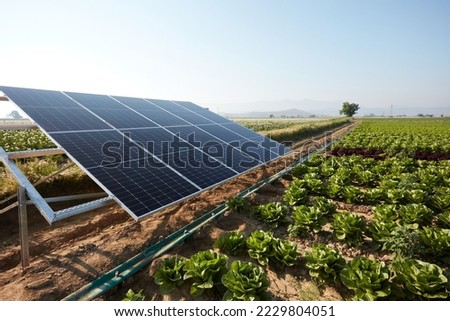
(69, 254)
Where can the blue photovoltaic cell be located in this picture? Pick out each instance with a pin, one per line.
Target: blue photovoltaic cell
(244, 132)
(151, 111)
(224, 152)
(38, 98)
(223, 133)
(98, 148)
(275, 147)
(158, 141)
(199, 168)
(146, 153)
(252, 148)
(93, 102)
(54, 119)
(180, 112)
(120, 119)
(113, 112)
(203, 112)
(143, 189)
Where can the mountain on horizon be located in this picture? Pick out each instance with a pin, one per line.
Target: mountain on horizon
(288, 108)
(266, 114)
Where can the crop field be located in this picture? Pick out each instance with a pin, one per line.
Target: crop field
(292, 129)
(342, 226)
(268, 124)
(369, 219)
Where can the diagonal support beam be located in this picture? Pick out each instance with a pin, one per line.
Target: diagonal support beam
(31, 191)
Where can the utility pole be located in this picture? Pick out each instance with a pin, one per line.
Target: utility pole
(392, 111)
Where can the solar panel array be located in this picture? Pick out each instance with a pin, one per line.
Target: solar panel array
(145, 153)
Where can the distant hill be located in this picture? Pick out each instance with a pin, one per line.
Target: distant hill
(266, 114)
(288, 108)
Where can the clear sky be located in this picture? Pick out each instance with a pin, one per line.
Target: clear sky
(375, 53)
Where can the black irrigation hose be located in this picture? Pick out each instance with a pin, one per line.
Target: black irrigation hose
(125, 270)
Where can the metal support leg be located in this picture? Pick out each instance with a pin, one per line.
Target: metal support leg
(23, 227)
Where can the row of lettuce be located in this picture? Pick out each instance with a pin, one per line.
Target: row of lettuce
(404, 278)
(414, 233)
(407, 226)
(400, 137)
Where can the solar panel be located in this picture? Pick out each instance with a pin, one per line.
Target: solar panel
(145, 153)
(151, 111)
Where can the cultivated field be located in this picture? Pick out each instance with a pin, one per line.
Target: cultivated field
(368, 219)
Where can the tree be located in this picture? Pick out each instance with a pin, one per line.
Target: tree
(15, 114)
(349, 109)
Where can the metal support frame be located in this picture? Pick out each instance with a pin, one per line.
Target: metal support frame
(17, 126)
(23, 227)
(35, 153)
(26, 188)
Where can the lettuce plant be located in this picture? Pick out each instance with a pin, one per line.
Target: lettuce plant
(133, 296)
(415, 214)
(436, 242)
(441, 200)
(272, 213)
(363, 177)
(342, 176)
(295, 195)
(333, 190)
(368, 278)
(395, 195)
(315, 160)
(324, 263)
(299, 170)
(326, 170)
(386, 213)
(285, 252)
(245, 281)
(306, 219)
(444, 219)
(264, 247)
(381, 232)
(350, 194)
(374, 196)
(348, 227)
(260, 246)
(315, 186)
(416, 196)
(232, 243)
(237, 204)
(421, 279)
(205, 268)
(169, 273)
(324, 205)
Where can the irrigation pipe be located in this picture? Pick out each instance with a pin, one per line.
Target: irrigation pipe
(125, 270)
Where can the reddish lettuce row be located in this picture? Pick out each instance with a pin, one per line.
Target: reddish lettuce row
(379, 154)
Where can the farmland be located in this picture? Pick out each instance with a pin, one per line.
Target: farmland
(347, 224)
(292, 129)
(340, 227)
